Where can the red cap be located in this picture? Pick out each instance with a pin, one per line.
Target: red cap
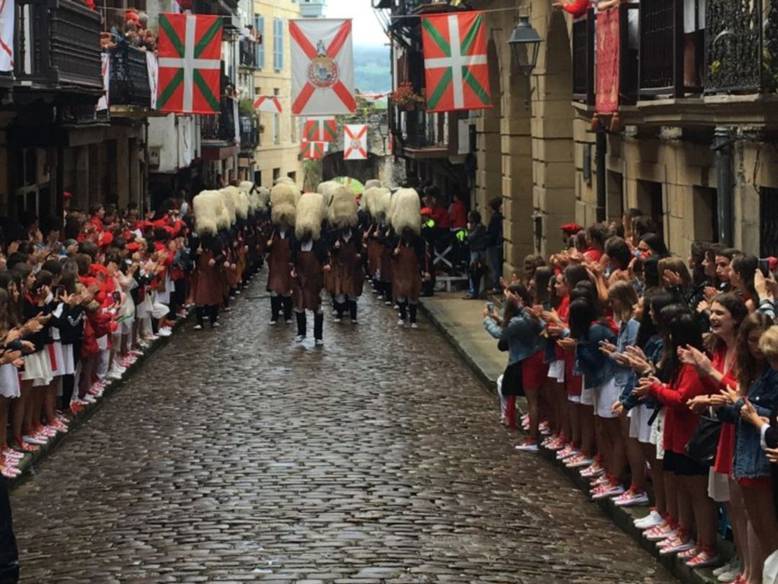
(571, 228)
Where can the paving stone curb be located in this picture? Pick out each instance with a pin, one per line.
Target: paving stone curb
(622, 517)
(28, 464)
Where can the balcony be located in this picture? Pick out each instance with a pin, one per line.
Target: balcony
(312, 8)
(249, 133)
(248, 53)
(218, 132)
(661, 48)
(129, 77)
(583, 59)
(741, 46)
(58, 47)
(426, 135)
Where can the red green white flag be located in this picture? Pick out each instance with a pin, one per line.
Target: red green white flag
(455, 65)
(314, 149)
(320, 129)
(355, 142)
(189, 63)
(268, 103)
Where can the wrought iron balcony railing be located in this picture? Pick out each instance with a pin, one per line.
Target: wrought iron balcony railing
(129, 77)
(661, 48)
(220, 127)
(583, 58)
(248, 53)
(249, 133)
(58, 46)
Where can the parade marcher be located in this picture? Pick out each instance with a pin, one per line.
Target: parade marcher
(309, 261)
(410, 260)
(208, 207)
(377, 203)
(283, 200)
(345, 245)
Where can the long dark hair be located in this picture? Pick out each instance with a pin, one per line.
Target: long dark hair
(745, 267)
(575, 273)
(657, 245)
(683, 330)
(748, 368)
(648, 328)
(511, 308)
(542, 277)
(736, 308)
(582, 314)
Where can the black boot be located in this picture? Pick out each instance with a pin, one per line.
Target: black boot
(403, 312)
(213, 315)
(200, 313)
(275, 308)
(340, 308)
(352, 308)
(302, 325)
(287, 304)
(318, 327)
(412, 308)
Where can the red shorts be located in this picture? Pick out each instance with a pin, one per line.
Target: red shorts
(534, 371)
(573, 382)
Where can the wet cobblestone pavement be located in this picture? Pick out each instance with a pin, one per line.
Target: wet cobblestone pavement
(235, 456)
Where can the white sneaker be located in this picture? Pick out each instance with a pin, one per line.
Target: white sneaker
(527, 447)
(728, 567)
(299, 339)
(401, 322)
(732, 574)
(164, 332)
(651, 520)
(414, 325)
(199, 327)
(319, 342)
(336, 319)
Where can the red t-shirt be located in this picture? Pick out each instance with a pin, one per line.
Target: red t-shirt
(680, 421)
(458, 215)
(725, 450)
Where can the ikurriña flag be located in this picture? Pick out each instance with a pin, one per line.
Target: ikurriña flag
(320, 129)
(314, 149)
(322, 67)
(190, 63)
(455, 65)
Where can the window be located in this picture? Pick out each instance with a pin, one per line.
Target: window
(276, 174)
(258, 177)
(278, 44)
(768, 222)
(276, 123)
(650, 202)
(259, 23)
(293, 176)
(294, 122)
(615, 201)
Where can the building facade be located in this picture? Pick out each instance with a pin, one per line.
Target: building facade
(689, 142)
(278, 151)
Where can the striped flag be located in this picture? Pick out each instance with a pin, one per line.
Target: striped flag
(320, 129)
(268, 103)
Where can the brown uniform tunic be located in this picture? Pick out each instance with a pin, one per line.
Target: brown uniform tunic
(279, 280)
(207, 284)
(347, 274)
(406, 274)
(307, 286)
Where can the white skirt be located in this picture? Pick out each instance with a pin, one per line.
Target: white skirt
(9, 381)
(69, 360)
(56, 359)
(37, 368)
(556, 370)
(657, 434)
(604, 396)
(639, 428)
(718, 486)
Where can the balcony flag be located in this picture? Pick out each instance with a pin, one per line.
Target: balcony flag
(323, 129)
(314, 149)
(7, 23)
(355, 142)
(608, 57)
(322, 67)
(189, 63)
(268, 103)
(455, 65)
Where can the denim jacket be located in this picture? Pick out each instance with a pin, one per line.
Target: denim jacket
(596, 367)
(628, 334)
(522, 335)
(750, 460)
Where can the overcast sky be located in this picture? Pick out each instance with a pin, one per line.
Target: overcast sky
(367, 30)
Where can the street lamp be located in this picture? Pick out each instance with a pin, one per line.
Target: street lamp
(525, 45)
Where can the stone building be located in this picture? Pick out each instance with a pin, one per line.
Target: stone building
(688, 142)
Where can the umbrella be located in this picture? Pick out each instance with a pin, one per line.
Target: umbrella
(353, 183)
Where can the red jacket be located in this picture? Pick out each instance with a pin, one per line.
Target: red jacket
(97, 324)
(680, 421)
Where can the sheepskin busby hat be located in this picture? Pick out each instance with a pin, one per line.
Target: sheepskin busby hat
(209, 212)
(309, 216)
(373, 182)
(343, 209)
(406, 211)
(230, 196)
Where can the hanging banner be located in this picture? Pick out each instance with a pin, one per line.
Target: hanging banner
(7, 23)
(320, 129)
(608, 57)
(152, 66)
(322, 67)
(455, 66)
(314, 150)
(355, 142)
(268, 103)
(105, 70)
(190, 63)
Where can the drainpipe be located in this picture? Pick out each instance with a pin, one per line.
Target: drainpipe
(725, 182)
(600, 151)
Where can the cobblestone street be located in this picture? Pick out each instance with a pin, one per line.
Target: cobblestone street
(377, 458)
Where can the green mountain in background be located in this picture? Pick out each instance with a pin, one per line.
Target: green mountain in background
(372, 69)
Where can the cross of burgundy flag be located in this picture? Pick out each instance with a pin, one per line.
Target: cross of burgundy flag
(314, 149)
(355, 142)
(190, 63)
(268, 103)
(322, 129)
(455, 67)
(322, 67)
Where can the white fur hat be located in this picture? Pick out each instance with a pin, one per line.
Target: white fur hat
(230, 196)
(309, 215)
(343, 208)
(373, 182)
(376, 201)
(406, 211)
(209, 212)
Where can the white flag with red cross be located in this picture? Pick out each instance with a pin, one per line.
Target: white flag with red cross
(268, 103)
(7, 24)
(355, 142)
(322, 67)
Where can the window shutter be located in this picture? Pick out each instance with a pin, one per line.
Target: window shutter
(260, 25)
